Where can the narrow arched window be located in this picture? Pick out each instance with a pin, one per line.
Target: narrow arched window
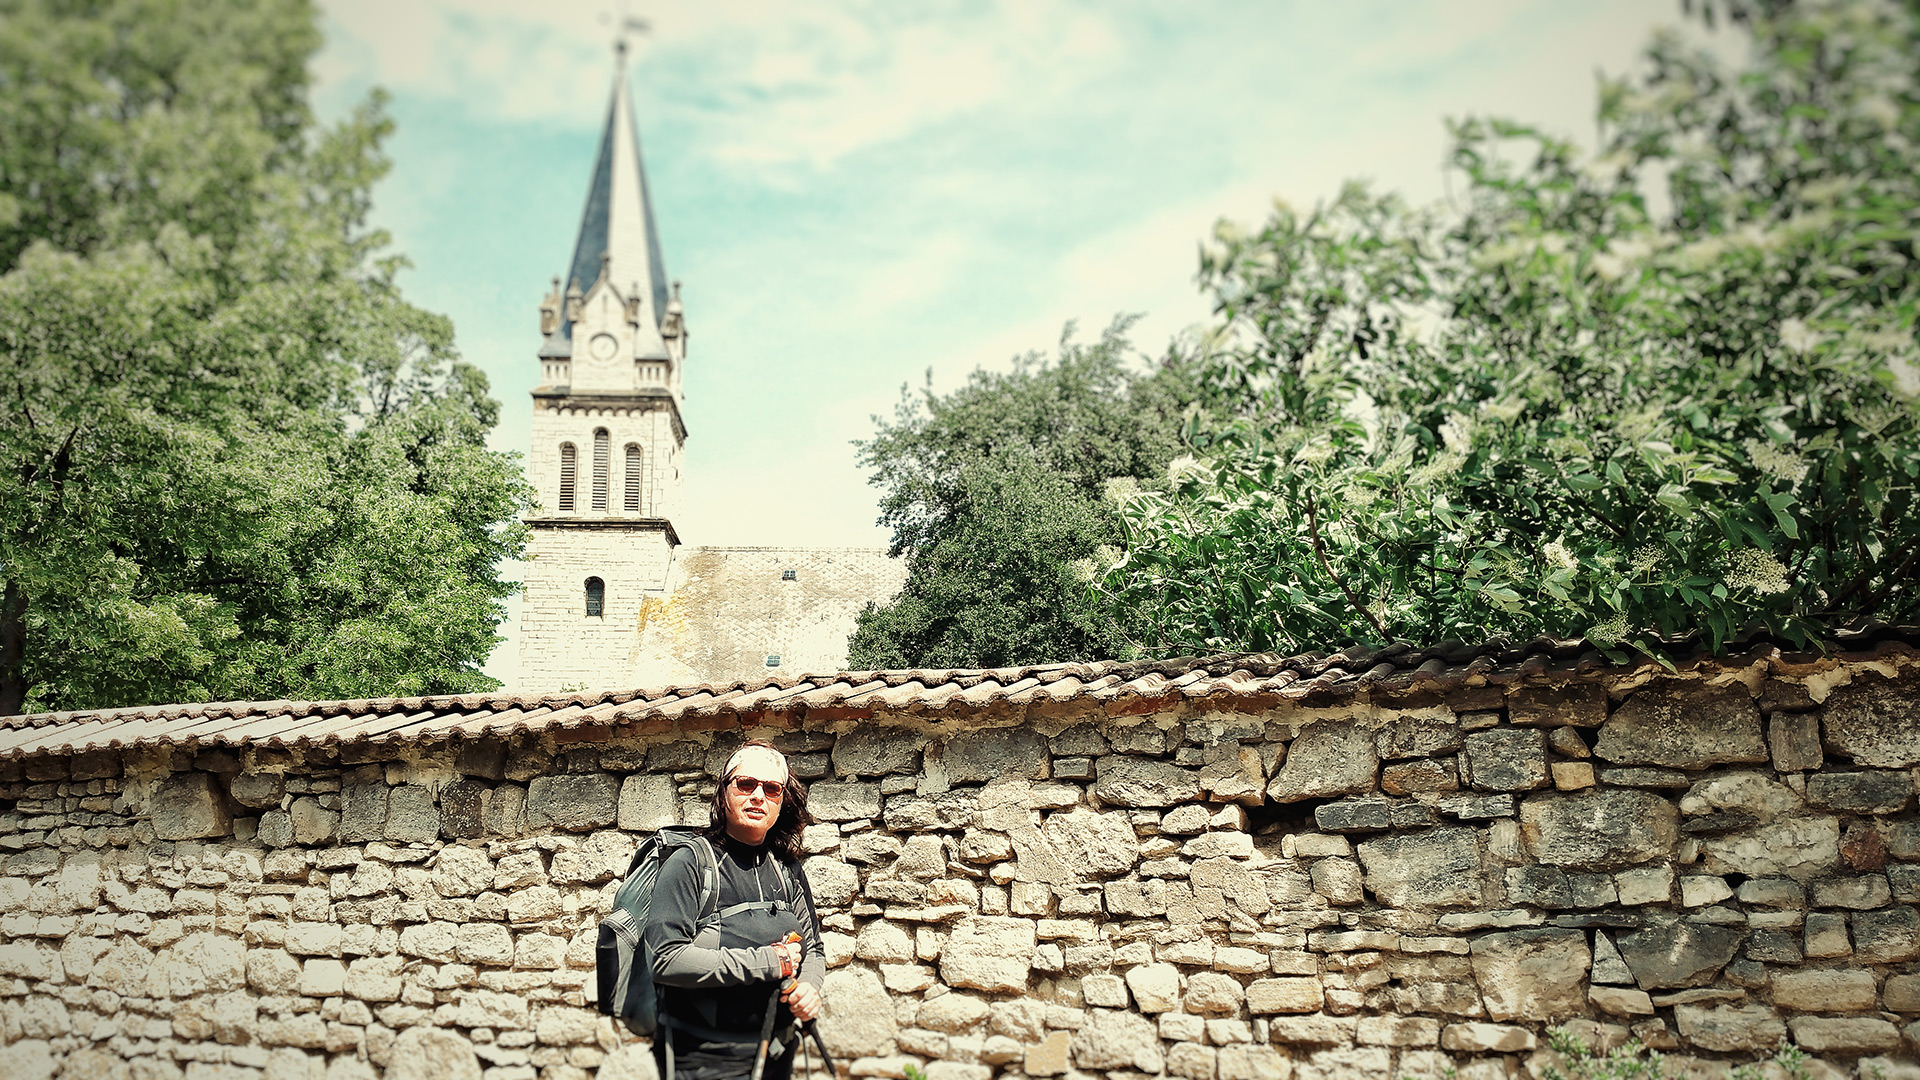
(600, 470)
(596, 596)
(632, 501)
(567, 468)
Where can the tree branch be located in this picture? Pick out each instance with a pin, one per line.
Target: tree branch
(1313, 529)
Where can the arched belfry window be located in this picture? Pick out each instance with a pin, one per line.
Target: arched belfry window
(568, 467)
(600, 469)
(631, 504)
(596, 596)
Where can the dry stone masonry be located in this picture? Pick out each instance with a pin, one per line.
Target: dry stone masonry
(1347, 886)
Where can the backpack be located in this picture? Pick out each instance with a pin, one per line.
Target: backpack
(622, 968)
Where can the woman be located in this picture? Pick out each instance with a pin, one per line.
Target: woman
(721, 960)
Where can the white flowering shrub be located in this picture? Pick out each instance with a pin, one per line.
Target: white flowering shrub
(1669, 388)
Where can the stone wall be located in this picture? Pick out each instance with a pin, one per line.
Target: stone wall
(1214, 890)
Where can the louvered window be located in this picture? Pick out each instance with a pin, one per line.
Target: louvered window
(600, 470)
(632, 501)
(567, 467)
(596, 596)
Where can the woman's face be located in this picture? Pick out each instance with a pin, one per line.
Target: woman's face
(753, 802)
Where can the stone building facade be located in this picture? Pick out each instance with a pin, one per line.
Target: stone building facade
(606, 462)
(1359, 867)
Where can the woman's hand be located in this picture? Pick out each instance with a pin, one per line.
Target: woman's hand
(804, 999)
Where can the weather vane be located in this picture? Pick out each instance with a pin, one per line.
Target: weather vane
(629, 25)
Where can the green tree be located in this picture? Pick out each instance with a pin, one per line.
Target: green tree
(234, 461)
(999, 495)
(1665, 389)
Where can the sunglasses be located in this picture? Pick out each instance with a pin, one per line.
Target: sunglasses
(747, 785)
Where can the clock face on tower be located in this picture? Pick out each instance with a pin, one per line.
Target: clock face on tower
(603, 346)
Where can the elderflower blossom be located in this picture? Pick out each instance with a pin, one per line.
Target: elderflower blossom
(1457, 433)
(1776, 462)
(1185, 467)
(1119, 489)
(1610, 632)
(1083, 571)
(1315, 453)
(1751, 568)
(1647, 559)
(1504, 412)
(1797, 336)
(1557, 556)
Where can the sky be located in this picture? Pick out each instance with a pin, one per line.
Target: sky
(856, 194)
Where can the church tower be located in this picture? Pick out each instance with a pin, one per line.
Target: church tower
(607, 428)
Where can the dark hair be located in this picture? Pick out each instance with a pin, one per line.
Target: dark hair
(784, 837)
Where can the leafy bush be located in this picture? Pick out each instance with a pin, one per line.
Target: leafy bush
(1664, 389)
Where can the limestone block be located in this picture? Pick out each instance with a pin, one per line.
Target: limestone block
(1505, 759)
(505, 810)
(1826, 936)
(519, 870)
(1155, 987)
(572, 801)
(1143, 782)
(1620, 1001)
(1871, 721)
(648, 802)
(1439, 868)
(859, 1020)
(122, 968)
(187, 806)
(430, 941)
(1699, 890)
(1362, 1063)
(1285, 995)
(1100, 845)
(1209, 994)
(1189, 1061)
(1479, 1038)
(1799, 847)
(483, 943)
(432, 1053)
(978, 846)
(1678, 955)
(1318, 1029)
(1050, 1056)
(1824, 990)
(28, 1059)
(1793, 739)
(564, 1026)
(257, 790)
(1253, 1063)
(532, 905)
(1684, 729)
(843, 802)
(1821, 1035)
(1327, 759)
(1399, 1031)
(953, 1014)
(1886, 937)
(1339, 880)
(1902, 994)
(989, 952)
(1417, 737)
(489, 1009)
(1234, 772)
(1856, 893)
(462, 871)
(834, 883)
(992, 753)
(198, 964)
(1104, 991)
(375, 978)
(1878, 792)
(1415, 777)
(322, 978)
(1729, 1028)
(1112, 1039)
(878, 751)
(917, 813)
(884, 943)
(363, 810)
(1532, 974)
(1600, 829)
(412, 817)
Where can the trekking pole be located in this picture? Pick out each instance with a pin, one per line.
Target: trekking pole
(773, 1010)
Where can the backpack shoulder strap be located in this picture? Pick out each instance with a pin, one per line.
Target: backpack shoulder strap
(709, 875)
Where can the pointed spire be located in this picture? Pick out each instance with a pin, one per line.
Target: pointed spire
(617, 237)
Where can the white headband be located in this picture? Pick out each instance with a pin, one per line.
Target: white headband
(764, 756)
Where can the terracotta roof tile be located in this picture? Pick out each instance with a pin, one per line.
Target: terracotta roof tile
(1126, 686)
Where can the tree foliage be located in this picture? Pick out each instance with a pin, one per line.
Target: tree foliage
(1666, 388)
(1000, 494)
(234, 461)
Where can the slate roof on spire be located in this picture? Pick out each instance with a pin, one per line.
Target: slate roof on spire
(617, 222)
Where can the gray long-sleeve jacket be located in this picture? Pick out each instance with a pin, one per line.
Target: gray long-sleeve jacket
(722, 977)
